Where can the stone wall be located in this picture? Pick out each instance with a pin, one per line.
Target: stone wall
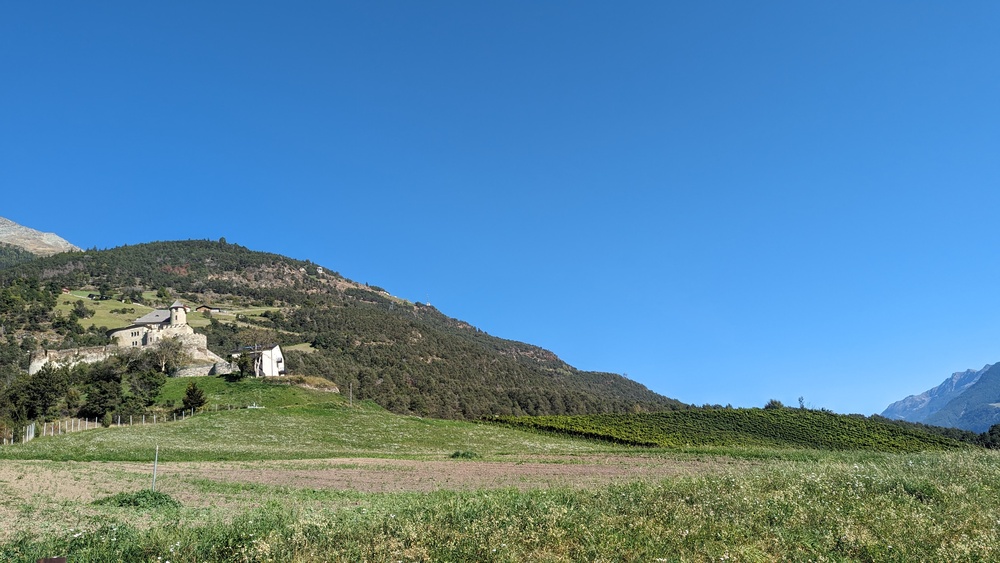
(195, 345)
(219, 368)
(71, 357)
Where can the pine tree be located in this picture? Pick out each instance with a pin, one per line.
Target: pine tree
(194, 398)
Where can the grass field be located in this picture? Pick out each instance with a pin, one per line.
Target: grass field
(102, 310)
(104, 317)
(311, 478)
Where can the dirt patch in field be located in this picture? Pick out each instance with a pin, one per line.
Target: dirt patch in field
(394, 475)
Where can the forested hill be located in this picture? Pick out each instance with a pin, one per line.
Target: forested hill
(408, 357)
(11, 255)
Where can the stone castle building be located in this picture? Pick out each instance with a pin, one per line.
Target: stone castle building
(152, 327)
(146, 331)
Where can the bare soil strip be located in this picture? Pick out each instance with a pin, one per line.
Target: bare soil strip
(394, 475)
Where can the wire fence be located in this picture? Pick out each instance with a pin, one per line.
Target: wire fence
(24, 433)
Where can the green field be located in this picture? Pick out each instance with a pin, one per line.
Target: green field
(103, 315)
(295, 423)
(102, 310)
(299, 480)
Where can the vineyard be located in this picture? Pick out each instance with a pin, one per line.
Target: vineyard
(770, 428)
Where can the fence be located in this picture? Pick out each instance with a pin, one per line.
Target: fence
(12, 434)
(28, 432)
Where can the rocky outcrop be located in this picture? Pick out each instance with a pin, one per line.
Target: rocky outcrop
(35, 242)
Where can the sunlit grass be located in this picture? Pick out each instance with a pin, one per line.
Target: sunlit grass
(905, 507)
(102, 310)
(301, 432)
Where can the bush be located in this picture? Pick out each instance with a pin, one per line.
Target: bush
(464, 455)
(145, 499)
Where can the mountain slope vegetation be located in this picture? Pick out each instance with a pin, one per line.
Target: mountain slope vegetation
(11, 255)
(768, 428)
(407, 357)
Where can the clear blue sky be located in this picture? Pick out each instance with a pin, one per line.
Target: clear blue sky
(727, 201)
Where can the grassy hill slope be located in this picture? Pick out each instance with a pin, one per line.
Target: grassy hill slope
(294, 423)
(768, 428)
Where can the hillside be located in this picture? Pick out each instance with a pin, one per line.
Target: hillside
(11, 255)
(768, 428)
(292, 423)
(407, 357)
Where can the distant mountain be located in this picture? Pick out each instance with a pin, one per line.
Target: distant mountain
(969, 400)
(918, 408)
(977, 408)
(35, 242)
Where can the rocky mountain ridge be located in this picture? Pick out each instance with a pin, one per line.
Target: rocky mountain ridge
(969, 400)
(917, 408)
(35, 242)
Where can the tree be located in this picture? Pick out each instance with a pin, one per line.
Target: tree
(194, 398)
(247, 364)
(103, 397)
(774, 404)
(170, 354)
(144, 385)
(80, 310)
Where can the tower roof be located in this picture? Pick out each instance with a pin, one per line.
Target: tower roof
(178, 305)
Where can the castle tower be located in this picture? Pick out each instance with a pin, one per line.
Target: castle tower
(178, 314)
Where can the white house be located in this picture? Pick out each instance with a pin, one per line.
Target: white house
(268, 360)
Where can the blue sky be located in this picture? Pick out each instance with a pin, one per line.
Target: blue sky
(727, 201)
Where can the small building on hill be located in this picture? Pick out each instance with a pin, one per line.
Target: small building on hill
(268, 360)
(208, 309)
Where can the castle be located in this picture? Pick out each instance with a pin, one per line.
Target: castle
(152, 327)
(145, 331)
